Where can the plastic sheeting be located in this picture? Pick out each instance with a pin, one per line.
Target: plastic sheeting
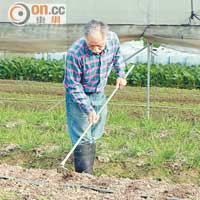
(159, 21)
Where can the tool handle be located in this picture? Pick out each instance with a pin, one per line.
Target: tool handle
(90, 125)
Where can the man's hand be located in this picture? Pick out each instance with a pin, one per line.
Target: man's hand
(120, 82)
(93, 117)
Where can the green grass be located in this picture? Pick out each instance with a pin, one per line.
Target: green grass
(166, 146)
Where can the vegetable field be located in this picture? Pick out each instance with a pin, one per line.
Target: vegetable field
(176, 76)
(156, 158)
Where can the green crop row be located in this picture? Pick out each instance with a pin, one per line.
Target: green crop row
(21, 68)
(173, 75)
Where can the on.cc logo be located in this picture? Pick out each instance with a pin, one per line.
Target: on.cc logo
(18, 14)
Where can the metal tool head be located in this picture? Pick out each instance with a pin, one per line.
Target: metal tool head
(66, 173)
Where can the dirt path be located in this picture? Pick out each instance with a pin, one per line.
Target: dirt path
(30, 184)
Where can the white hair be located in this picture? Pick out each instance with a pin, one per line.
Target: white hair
(93, 25)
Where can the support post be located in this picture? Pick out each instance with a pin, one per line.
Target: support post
(149, 57)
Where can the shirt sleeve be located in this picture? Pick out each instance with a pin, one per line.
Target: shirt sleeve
(118, 62)
(72, 81)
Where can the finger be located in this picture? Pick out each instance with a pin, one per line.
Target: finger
(93, 118)
(97, 119)
(125, 82)
(117, 85)
(90, 120)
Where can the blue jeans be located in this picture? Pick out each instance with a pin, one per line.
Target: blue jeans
(77, 120)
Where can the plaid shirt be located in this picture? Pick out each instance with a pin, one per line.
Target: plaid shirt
(87, 72)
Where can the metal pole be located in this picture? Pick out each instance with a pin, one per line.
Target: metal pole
(192, 8)
(148, 78)
(134, 54)
(90, 125)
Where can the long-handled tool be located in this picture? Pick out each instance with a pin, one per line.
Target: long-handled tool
(100, 111)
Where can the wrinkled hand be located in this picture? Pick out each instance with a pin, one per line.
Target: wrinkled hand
(93, 117)
(121, 82)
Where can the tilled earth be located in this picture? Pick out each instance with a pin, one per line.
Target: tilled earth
(30, 184)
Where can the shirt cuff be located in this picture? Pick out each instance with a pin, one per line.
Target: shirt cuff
(121, 74)
(87, 109)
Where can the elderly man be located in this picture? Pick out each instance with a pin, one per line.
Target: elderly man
(88, 65)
